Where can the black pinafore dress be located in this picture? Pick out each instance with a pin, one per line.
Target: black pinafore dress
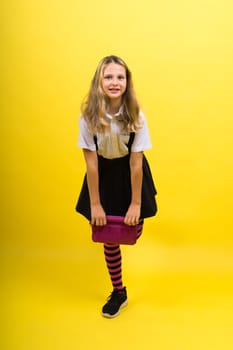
(115, 187)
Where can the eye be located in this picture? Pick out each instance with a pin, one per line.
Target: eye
(108, 77)
(121, 77)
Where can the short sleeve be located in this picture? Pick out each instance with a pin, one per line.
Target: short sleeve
(85, 139)
(142, 138)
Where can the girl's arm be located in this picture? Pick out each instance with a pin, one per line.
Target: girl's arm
(98, 216)
(133, 213)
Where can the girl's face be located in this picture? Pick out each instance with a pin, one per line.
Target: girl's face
(114, 81)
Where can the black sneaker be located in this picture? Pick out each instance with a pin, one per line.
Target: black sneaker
(116, 301)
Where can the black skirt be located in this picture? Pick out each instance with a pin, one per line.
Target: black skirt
(115, 189)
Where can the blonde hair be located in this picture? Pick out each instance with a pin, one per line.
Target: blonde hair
(95, 106)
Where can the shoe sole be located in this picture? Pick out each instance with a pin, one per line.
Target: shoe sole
(125, 303)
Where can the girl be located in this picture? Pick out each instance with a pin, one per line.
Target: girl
(118, 181)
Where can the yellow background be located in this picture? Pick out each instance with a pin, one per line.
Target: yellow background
(179, 275)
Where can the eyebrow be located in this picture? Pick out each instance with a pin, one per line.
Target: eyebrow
(118, 75)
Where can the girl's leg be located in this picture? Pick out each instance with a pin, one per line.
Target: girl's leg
(112, 253)
(118, 298)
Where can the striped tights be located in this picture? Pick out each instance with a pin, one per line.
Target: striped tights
(112, 253)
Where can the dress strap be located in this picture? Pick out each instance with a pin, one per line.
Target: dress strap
(131, 138)
(95, 140)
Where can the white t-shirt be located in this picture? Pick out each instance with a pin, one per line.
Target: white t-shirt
(114, 144)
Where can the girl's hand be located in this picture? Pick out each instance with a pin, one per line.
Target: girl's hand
(98, 216)
(133, 214)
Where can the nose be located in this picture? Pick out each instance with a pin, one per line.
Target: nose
(114, 81)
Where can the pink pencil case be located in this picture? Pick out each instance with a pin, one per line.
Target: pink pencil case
(115, 231)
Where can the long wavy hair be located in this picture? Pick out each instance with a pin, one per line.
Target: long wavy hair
(94, 108)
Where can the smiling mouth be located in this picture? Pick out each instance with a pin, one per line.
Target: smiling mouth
(114, 90)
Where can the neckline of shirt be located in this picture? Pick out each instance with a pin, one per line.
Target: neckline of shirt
(116, 114)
